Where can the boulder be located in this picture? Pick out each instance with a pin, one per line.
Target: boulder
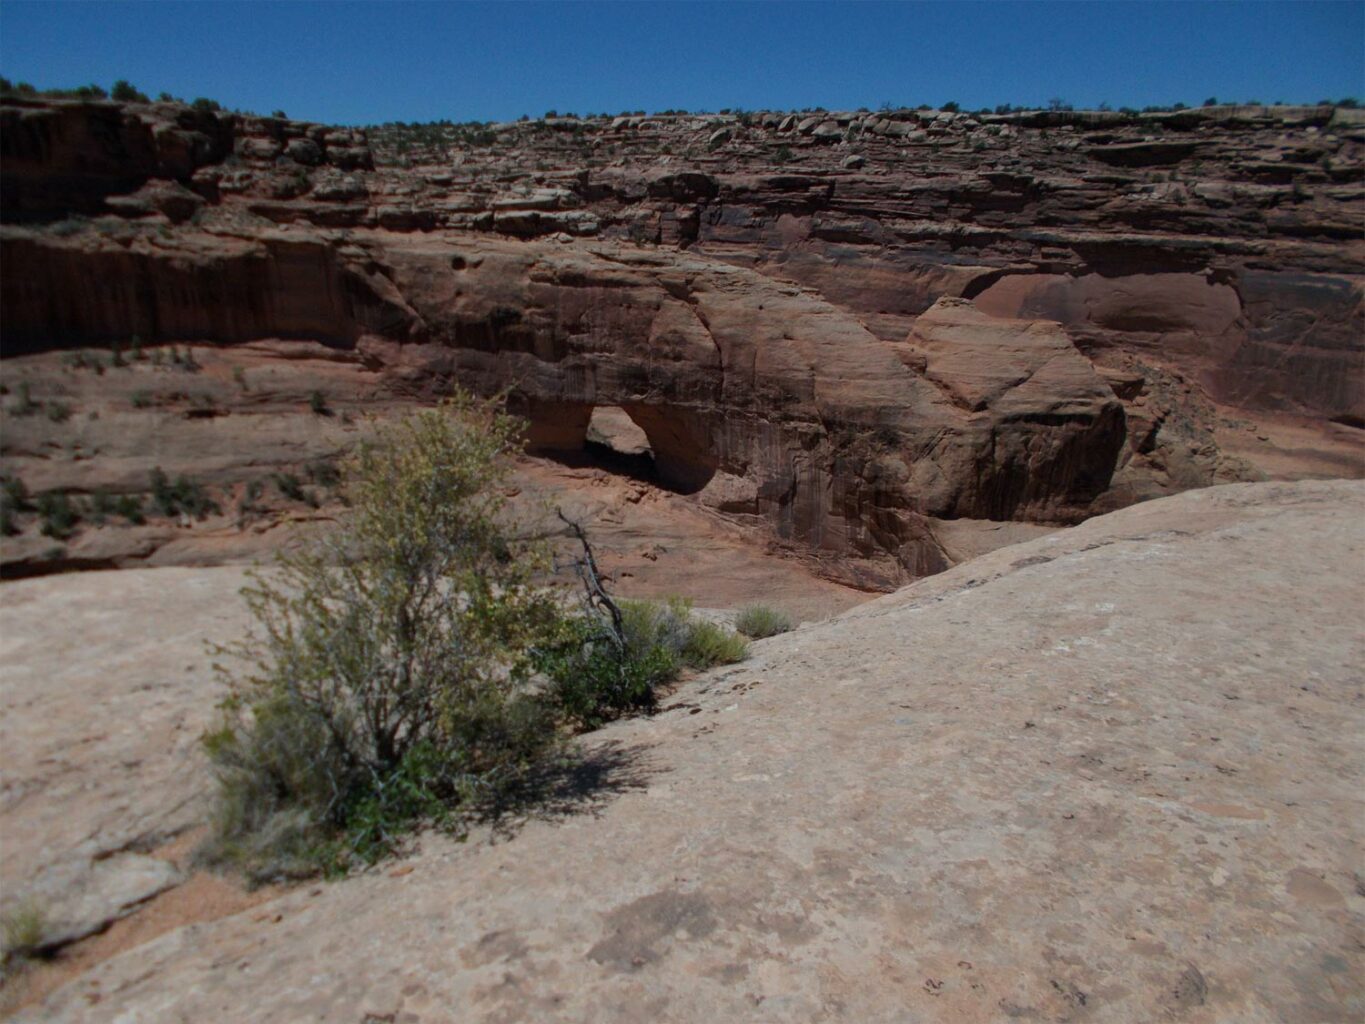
(304, 151)
(169, 198)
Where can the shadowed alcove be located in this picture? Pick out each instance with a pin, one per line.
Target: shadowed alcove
(660, 444)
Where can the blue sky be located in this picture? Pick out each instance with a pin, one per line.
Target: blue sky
(363, 62)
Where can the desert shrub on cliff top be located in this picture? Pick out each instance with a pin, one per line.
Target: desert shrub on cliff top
(757, 621)
(388, 679)
(125, 92)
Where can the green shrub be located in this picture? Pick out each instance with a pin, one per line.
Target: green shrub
(709, 644)
(693, 641)
(102, 506)
(292, 488)
(129, 506)
(323, 473)
(124, 92)
(58, 412)
(388, 679)
(13, 500)
(318, 403)
(651, 623)
(184, 495)
(59, 515)
(757, 621)
(25, 932)
(141, 399)
(13, 493)
(593, 678)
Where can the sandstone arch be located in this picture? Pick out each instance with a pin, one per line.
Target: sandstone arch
(680, 445)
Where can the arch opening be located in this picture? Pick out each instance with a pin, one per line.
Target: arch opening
(659, 445)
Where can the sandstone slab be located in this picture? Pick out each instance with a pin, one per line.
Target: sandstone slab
(1111, 774)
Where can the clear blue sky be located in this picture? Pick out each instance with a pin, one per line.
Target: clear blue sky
(361, 63)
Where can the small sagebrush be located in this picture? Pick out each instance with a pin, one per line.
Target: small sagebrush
(757, 621)
(25, 929)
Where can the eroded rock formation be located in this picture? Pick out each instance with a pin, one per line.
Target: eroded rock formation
(844, 329)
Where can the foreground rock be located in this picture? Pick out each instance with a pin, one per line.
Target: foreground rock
(106, 692)
(1108, 775)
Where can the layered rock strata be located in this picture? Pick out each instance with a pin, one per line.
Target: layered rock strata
(781, 305)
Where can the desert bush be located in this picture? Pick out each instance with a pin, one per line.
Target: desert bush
(13, 500)
(59, 516)
(129, 506)
(317, 402)
(599, 669)
(8, 518)
(102, 506)
(58, 412)
(24, 929)
(184, 495)
(323, 473)
(602, 667)
(709, 644)
(672, 625)
(13, 493)
(757, 621)
(388, 678)
(291, 487)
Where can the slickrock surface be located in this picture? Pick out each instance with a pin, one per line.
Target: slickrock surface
(106, 692)
(775, 299)
(1112, 774)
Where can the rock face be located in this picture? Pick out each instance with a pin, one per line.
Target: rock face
(1110, 775)
(780, 333)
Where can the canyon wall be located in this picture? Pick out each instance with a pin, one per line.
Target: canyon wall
(844, 329)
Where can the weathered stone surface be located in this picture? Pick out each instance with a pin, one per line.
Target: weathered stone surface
(169, 198)
(81, 897)
(81, 764)
(1110, 775)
